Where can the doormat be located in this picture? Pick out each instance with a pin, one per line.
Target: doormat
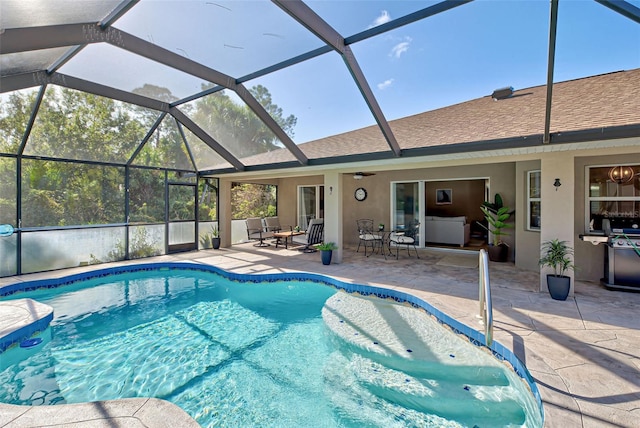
(459, 261)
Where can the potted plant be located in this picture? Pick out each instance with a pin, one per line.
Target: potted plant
(557, 254)
(215, 237)
(496, 215)
(381, 226)
(326, 251)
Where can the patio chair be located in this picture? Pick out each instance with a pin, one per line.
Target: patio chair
(256, 231)
(314, 235)
(272, 224)
(368, 236)
(407, 238)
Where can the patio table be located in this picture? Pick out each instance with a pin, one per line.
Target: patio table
(285, 237)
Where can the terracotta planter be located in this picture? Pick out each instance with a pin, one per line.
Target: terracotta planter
(559, 286)
(498, 253)
(326, 256)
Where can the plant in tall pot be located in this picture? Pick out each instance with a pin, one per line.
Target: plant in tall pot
(215, 237)
(326, 251)
(557, 255)
(497, 215)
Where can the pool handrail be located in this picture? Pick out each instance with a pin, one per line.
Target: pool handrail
(484, 291)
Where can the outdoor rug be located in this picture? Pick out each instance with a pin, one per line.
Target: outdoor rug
(470, 261)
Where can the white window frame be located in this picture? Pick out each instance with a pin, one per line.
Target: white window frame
(531, 199)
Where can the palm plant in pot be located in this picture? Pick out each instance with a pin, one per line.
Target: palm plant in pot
(215, 237)
(557, 254)
(497, 215)
(326, 251)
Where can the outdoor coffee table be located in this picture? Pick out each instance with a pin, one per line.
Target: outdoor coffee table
(285, 237)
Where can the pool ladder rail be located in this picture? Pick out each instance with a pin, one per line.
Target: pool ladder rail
(484, 291)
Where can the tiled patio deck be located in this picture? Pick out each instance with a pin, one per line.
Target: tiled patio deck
(583, 352)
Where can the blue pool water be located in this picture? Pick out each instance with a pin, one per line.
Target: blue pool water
(249, 354)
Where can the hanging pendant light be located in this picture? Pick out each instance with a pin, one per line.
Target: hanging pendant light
(621, 174)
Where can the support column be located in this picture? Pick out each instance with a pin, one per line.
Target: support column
(224, 212)
(333, 212)
(557, 205)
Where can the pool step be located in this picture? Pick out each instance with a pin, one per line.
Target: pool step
(20, 319)
(398, 358)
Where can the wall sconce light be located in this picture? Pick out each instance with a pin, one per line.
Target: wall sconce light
(557, 184)
(621, 174)
(331, 190)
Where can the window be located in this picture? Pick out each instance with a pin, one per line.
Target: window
(613, 195)
(533, 200)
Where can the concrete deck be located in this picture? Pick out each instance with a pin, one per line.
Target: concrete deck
(583, 352)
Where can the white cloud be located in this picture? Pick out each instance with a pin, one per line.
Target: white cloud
(401, 48)
(384, 85)
(383, 18)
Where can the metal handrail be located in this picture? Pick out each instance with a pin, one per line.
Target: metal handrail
(486, 307)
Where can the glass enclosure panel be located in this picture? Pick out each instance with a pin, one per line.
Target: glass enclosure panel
(58, 249)
(320, 90)
(207, 199)
(8, 255)
(406, 205)
(234, 37)
(230, 122)
(182, 200)
(77, 125)
(117, 68)
(182, 233)
(253, 200)
(204, 156)
(165, 148)
(404, 66)
(25, 62)
(181, 177)
(8, 185)
(612, 39)
(146, 196)
(352, 17)
(56, 193)
(15, 110)
(20, 13)
(146, 241)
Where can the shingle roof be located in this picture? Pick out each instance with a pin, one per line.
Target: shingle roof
(596, 102)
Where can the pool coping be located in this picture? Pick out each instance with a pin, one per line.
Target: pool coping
(475, 337)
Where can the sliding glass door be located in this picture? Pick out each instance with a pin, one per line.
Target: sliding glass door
(406, 204)
(310, 204)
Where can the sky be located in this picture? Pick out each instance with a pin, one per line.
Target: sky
(452, 57)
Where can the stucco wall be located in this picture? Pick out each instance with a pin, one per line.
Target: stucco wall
(527, 242)
(288, 196)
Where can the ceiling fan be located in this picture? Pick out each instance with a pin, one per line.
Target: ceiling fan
(359, 175)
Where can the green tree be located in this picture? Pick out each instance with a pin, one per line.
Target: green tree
(253, 200)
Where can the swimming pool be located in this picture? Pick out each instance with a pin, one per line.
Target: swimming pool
(256, 353)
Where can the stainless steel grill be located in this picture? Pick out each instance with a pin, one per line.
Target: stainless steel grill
(622, 260)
